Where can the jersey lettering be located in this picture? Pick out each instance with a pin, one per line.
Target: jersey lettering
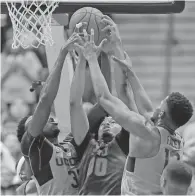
(68, 162)
(172, 149)
(99, 164)
(74, 173)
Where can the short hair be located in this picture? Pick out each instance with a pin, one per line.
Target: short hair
(21, 128)
(180, 108)
(178, 172)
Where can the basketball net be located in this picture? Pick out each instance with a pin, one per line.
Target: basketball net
(31, 22)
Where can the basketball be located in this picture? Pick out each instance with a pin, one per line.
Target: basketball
(92, 17)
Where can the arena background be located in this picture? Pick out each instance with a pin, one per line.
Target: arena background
(162, 48)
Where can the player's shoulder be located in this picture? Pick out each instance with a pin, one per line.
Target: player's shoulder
(154, 131)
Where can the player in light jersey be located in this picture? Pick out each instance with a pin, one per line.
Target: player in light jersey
(148, 156)
(189, 152)
(154, 143)
(28, 187)
(38, 135)
(176, 178)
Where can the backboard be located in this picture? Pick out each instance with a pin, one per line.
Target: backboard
(117, 6)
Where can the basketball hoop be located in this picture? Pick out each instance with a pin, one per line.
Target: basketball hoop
(31, 23)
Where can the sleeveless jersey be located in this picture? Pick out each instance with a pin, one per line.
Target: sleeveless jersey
(53, 170)
(101, 169)
(146, 173)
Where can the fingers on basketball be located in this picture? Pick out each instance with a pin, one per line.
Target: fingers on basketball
(85, 35)
(106, 17)
(107, 30)
(80, 26)
(107, 21)
(92, 36)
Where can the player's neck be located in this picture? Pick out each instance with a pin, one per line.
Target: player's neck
(54, 141)
(169, 128)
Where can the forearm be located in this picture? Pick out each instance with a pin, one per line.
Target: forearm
(51, 86)
(106, 70)
(48, 94)
(123, 88)
(142, 100)
(78, 83)
(99, 83)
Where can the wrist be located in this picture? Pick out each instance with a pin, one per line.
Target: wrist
(82, 59)
(64, 49)
(129, 72)
(92, 57)
(119, 52)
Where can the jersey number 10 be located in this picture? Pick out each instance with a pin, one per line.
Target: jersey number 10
(98, 165)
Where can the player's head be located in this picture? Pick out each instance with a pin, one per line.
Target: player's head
(50, 131)
(108, 129)
(22, 171)
(175, 110)
(176, 178)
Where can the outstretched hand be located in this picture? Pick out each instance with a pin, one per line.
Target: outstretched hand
(89, 48)
(75, 37)
(112, 34)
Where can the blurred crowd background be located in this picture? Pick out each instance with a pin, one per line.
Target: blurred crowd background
(162, 49)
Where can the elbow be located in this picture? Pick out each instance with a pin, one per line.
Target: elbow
(101, 98)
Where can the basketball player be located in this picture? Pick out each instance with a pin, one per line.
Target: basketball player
(176, 178)
(189, 152)
(38, 135)
(103, 160)
(179, 117)
(155, 144)
(174, 111)
(28, 187)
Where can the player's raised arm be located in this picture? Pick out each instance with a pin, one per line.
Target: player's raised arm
(80, 123)
(97, 113)
(49, 92)
(131, 121)
(114, 47)
(78, 117)
(142, 100)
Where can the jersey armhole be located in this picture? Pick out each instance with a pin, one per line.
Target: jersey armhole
(122, 139)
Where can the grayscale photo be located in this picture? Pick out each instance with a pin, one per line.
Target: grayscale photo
(97, 97)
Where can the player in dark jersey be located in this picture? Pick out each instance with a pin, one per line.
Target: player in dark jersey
(103, 160)
(151, 140)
